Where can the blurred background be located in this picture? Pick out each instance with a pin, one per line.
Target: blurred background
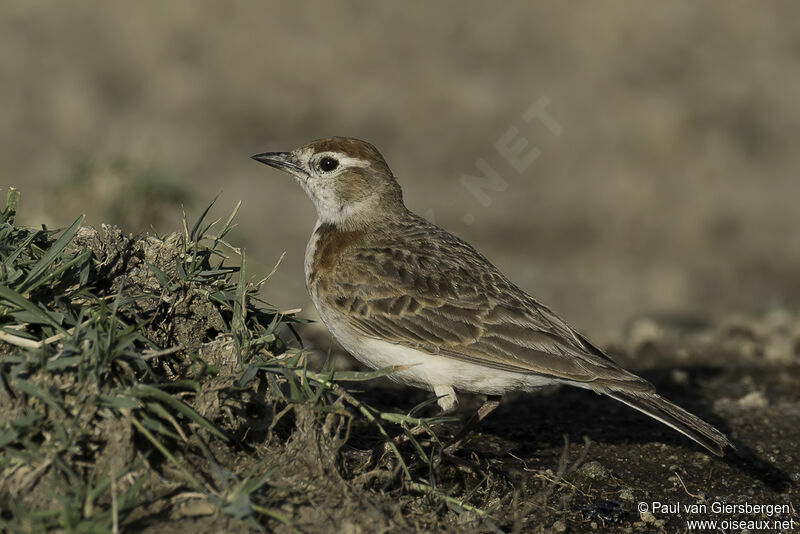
(666, 180)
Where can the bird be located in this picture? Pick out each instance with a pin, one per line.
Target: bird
(396, 290)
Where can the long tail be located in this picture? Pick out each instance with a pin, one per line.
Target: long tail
(663, 410)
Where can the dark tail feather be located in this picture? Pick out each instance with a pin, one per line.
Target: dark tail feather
(671, 415)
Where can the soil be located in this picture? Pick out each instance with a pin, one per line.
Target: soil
(566, 460)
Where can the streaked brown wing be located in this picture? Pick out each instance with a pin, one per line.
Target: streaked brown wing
(437, 294)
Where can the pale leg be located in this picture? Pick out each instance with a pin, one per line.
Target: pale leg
(492, 402)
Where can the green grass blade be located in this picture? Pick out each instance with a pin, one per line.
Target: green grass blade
(42, 316)
(52, 253)
(10, 210)
(356, 376)
(22, 247)
(168, 455)
(228, 225)
(35, 391)
(144, 391)
(195, 234)
(79, 259)
(160, 275)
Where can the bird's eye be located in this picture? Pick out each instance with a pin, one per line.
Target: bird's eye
(328, 164)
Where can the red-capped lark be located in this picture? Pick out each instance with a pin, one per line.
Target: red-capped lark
(396, 290)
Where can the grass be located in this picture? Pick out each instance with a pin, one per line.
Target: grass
(129, 368)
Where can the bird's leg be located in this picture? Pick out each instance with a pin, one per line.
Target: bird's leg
(446, 399)
(492, 402)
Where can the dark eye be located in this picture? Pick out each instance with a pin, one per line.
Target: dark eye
(328, 164)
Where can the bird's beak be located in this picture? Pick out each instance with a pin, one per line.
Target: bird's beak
(284, 161)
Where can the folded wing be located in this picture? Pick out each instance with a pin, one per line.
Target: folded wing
(442, 297)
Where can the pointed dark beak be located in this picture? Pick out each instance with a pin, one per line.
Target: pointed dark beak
(283, 161)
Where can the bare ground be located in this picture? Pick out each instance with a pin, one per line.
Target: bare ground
(566, 459)
(569, 459)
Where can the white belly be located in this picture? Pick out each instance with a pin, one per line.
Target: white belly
(430, 371)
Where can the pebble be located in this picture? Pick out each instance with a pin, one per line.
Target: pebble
(680, 377)
(593, 470)
(780, 348)
(559, 526)
(754, 399)
(642, 332)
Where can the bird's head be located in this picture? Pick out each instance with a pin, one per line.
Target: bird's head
(347, 179)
